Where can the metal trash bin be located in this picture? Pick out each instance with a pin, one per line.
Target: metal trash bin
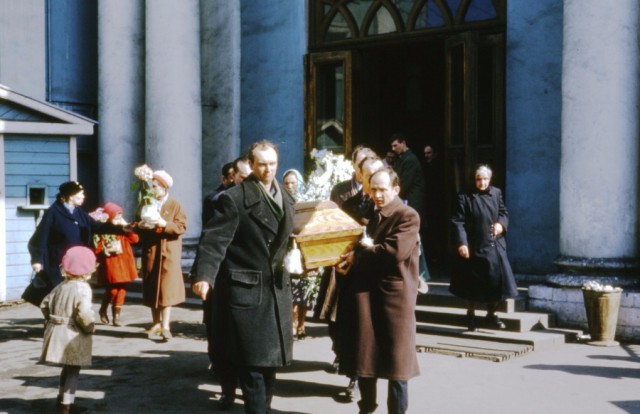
(602, 316)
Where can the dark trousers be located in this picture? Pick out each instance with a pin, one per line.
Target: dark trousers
(397, 399)
(257, 388)
(222, 366)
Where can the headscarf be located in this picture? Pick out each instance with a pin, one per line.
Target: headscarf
(300, 188)
(163, 177)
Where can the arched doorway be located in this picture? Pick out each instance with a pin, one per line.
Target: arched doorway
(432, 69)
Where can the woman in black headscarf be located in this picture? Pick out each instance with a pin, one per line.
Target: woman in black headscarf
(483, 272)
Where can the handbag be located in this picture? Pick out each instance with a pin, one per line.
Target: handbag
(39, 287)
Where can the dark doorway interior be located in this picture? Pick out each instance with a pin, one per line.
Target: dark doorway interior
(399, 88)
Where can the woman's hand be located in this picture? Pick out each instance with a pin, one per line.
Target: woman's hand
(37, 267)
(463, 251)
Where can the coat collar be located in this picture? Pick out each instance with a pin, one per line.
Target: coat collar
(260, 211)
(390, 208)
(59, 205)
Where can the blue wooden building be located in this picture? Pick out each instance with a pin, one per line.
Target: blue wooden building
(37, 154)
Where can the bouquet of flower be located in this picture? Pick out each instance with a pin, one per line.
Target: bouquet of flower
(149, 213)
(110, 243)
(330, 170)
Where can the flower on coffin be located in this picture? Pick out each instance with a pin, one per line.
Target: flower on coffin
(330, 169)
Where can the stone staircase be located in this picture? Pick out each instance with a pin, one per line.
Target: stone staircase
(441, 327)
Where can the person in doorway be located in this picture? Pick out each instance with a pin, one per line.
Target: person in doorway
(385, 276)
(240, 257)
(482, 272)
(117, 265)
(70, 323)
(162, 280)
(407, 166)
(434, 232)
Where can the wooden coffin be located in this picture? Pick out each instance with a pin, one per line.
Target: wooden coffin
(323, 233)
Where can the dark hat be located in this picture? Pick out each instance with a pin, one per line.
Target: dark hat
(69, 189)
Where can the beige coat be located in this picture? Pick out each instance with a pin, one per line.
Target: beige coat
(69, 324)
(162, 280)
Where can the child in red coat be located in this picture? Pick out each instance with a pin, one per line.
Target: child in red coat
(117, 265)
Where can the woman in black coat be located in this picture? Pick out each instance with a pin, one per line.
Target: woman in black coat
(482, 272)
(64, 225)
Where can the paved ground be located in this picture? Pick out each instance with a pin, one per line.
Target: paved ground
(132, 374)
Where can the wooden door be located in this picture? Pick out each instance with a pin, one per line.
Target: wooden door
(328, 101)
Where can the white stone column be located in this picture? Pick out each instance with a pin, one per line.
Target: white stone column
(173, 111)
(120, 99)
(220, 27)
(599, 165)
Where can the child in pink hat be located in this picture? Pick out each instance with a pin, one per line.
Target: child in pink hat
(70, 323)
(117, 265)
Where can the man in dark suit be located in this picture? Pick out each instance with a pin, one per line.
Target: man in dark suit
(241, 253)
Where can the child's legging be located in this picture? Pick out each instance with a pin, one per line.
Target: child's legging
(115, 293)
(69, 383)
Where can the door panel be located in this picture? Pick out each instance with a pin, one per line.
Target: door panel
(328, 101)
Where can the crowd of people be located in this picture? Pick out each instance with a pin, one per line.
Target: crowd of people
(253, 308)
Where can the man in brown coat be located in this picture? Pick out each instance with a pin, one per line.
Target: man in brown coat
(386, 279)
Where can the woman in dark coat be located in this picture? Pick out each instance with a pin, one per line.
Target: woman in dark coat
(483, 273)
(64, 225)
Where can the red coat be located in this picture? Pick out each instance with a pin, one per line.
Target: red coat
(119, 268)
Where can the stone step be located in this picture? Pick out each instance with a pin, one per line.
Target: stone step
(514, 321)
(540, 339)
(439, 295)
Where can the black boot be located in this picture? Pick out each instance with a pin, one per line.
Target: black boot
(494, 322)
(471, 321)
(104, 318)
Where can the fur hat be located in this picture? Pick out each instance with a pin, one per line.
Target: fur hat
(112, 210)
(79, 261)
(163, 177)
(68, 189)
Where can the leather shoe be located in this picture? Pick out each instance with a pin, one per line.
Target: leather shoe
(226, 401)
(494, 322)
(471, 322)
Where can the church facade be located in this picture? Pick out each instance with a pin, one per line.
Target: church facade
(546, 92)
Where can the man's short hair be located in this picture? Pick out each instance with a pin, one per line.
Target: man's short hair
(261, 145)
(393, 176)
(368, 153)
(400, 137)
(366, 159)
(243, 158)
(227, 169)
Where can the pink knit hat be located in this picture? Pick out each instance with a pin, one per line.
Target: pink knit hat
(112, 209)
(79, 261)
(163, 178)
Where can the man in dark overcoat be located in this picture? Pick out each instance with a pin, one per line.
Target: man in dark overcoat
(386, 280)
(241, 253)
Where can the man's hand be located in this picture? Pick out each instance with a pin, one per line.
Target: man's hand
(37, 267)
(345, 265)
(201, 289)
(463, 251)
